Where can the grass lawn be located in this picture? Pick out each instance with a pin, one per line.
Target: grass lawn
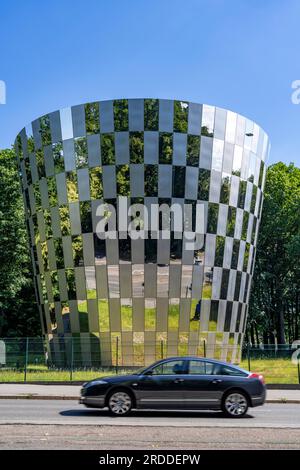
(274, 371)
(280, 371)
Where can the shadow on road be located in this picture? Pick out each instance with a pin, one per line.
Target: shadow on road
(150, 414)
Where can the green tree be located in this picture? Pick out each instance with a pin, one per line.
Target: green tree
(18, 310)
(275, 300)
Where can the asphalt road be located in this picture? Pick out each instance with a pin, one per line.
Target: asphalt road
(54, 424)
(129, 438)
(70, 412)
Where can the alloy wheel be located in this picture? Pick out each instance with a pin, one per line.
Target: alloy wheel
(120, 403)
(236, 404)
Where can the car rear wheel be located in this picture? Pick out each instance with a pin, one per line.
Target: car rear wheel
(120, 403)
(235, 404)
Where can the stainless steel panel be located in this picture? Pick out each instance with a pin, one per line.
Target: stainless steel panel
(122, 147)
(37, 134)
(151, 139)
(138, 315)
(75, 218)
(215, 186)
(88, 249)
(33, 168)
(179, 149)
(165, 181)
(109, 182)
(206, 152)
(136, 180)
(194, 119)
(93, 315)
(68, 254)
(150, 280)
(83, 184)
(69, 157)
(101, 280)
(44, 193)
(125, 280)
(106, 116)
(62, 285)
(94, 150)
(191, 183)
(78, 118)
(222, 220)
(55, 126)
(80, 283)
(174, 280)
(136, 114)
(220, 123)
(228, 252)
(66, 123)
(166, 115)
(61, 189)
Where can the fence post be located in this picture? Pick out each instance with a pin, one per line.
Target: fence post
(72, 356)
(117, 353)
(248, 357)
(26, 360)
(204, 348)
(162, 348)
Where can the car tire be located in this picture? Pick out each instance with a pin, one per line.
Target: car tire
(120, 402)
(235, 404)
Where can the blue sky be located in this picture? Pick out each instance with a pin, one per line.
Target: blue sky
(238, 54)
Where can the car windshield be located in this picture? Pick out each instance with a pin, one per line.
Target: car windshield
(140, 371)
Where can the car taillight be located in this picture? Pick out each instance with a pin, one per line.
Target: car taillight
(260, 377)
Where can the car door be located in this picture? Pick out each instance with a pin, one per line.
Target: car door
(201, 387)
(163, 385)
(226, 377)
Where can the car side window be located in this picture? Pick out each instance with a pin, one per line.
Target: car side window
(170, 368)
(200, 368)
(227, 370)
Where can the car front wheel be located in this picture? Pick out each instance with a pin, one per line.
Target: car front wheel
(235, 404)
(120, 403)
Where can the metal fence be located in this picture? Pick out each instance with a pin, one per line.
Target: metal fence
(78, 359)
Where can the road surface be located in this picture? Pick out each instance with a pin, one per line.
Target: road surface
(60, 424)
(70, 412)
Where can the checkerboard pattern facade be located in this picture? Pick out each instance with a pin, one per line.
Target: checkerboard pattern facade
(140, 294)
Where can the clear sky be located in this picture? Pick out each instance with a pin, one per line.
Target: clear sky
(238, 54)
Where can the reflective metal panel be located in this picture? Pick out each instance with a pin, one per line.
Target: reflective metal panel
(134, 301)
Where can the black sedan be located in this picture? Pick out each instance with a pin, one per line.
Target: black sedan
(179, 383)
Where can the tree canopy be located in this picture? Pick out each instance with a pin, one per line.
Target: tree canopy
(18, 310)
(275, 299)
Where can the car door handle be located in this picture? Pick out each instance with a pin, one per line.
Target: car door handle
(177, 381)
(216, 381)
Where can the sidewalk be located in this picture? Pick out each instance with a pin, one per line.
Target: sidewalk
(72, 392)
(41, 392)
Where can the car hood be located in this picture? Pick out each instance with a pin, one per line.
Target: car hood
(115, 378)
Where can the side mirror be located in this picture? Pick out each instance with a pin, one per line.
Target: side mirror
(149, 372)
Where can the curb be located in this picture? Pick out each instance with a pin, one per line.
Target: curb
(281, 401)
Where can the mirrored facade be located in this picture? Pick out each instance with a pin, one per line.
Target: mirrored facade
(135, 301)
